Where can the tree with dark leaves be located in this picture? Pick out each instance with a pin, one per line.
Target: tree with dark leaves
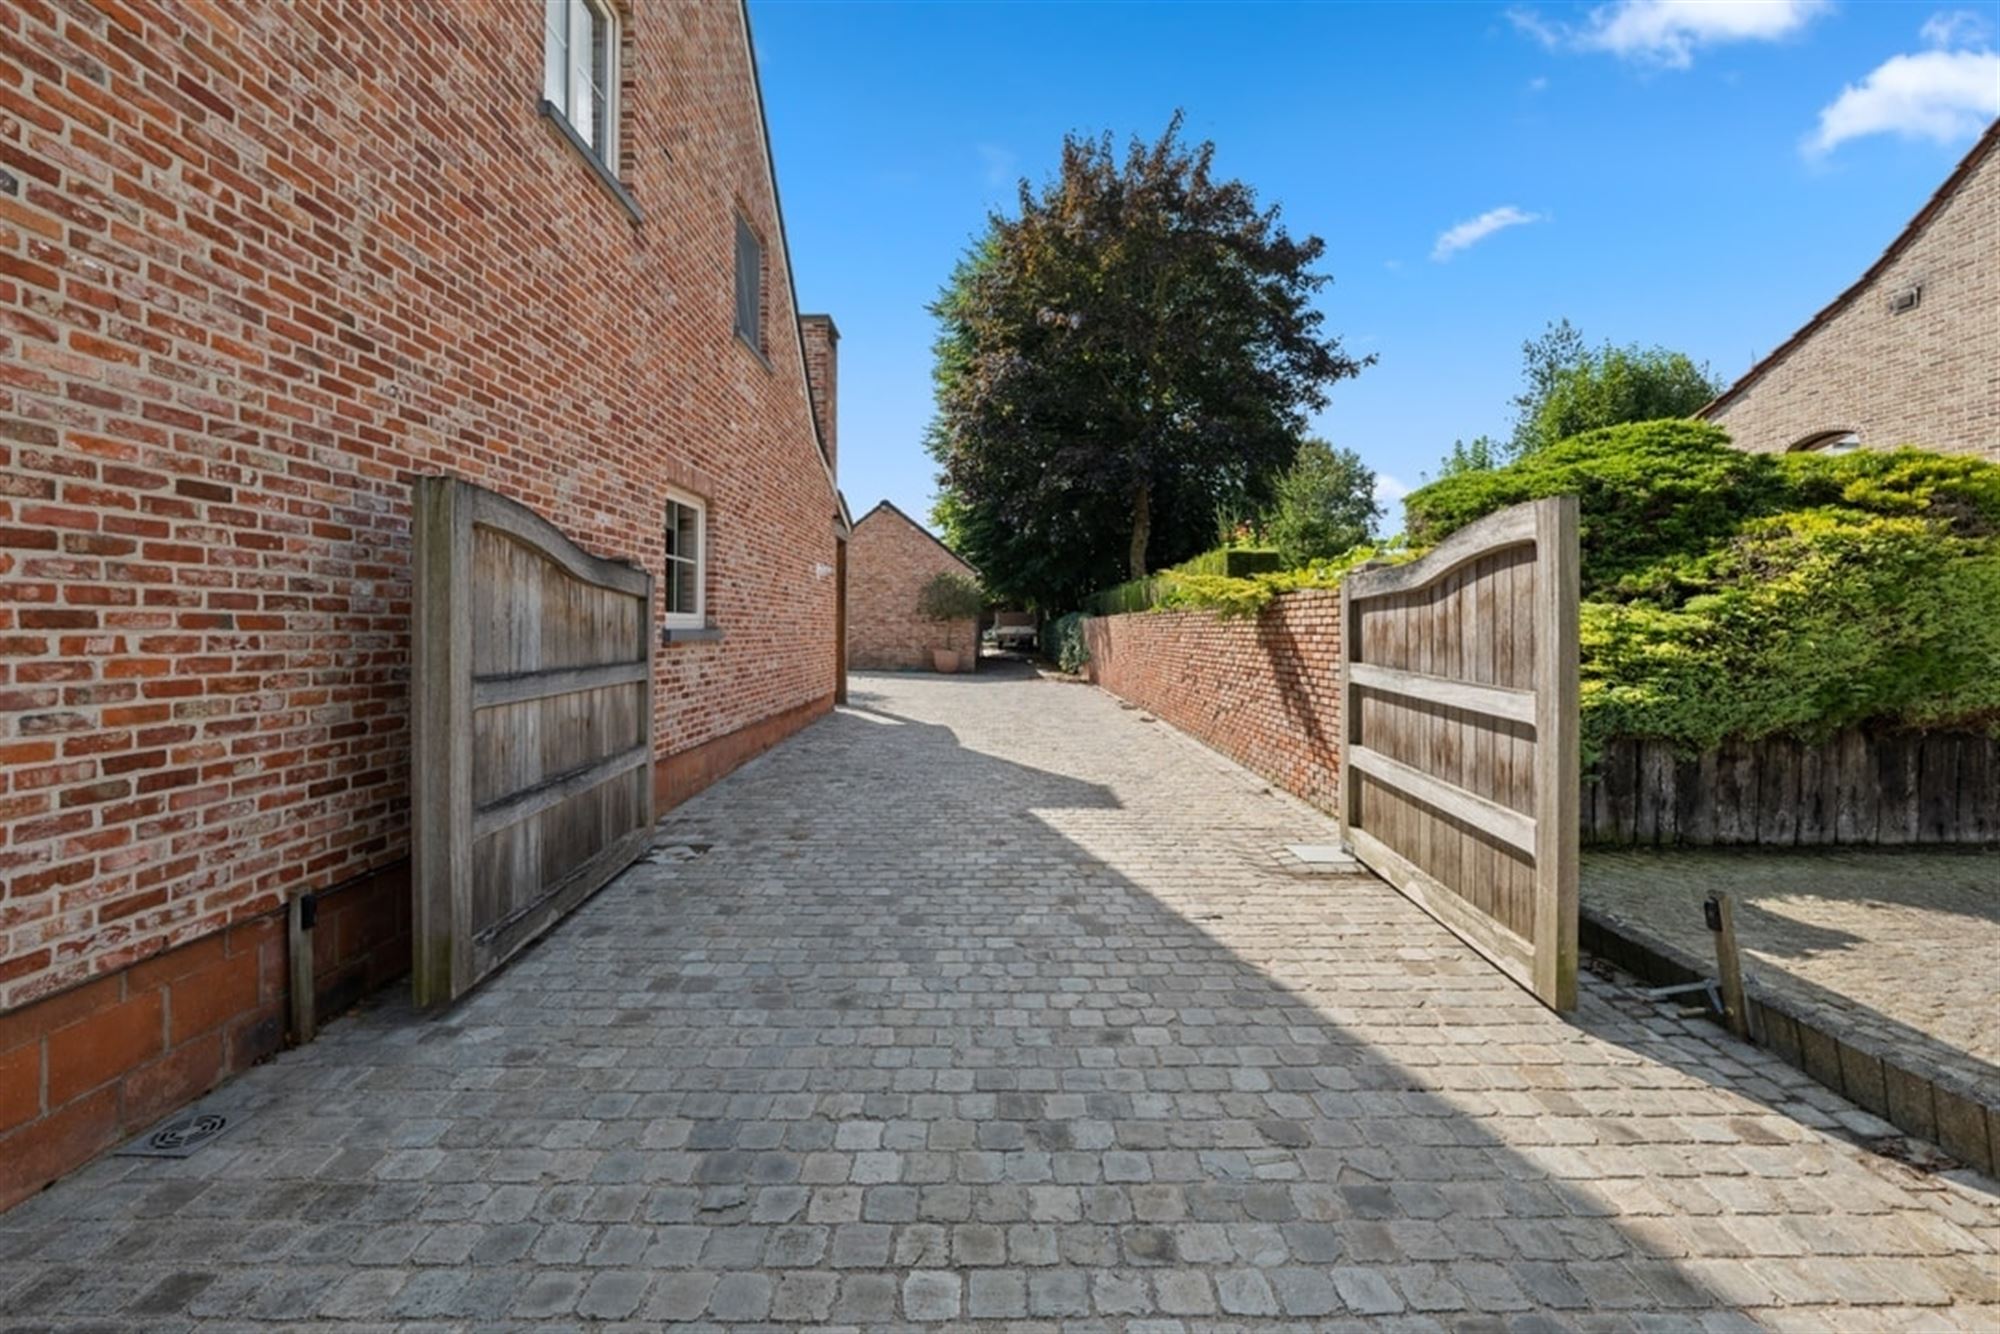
(1134, 352)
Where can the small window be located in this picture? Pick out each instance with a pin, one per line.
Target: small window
(687, 562)
(749, 286)
(1828, 442)
(580, 71)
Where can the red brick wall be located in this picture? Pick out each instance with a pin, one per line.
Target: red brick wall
(97, 1064)
(1263, 690)
(822, 343)
(259, 266)
(889, 560)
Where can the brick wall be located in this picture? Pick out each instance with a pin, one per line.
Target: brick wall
(889, 560)
(259, 267)
(1263, 690)
(822, 344)
(96, 1064)
(1928, 376)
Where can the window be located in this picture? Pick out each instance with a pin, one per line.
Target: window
(749, 286)
(687, 562)
(580, 71)
(1828, 442)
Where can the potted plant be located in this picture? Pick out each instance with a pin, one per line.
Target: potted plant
(947, 597)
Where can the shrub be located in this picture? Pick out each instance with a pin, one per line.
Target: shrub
(1233, 562)
(949, 596)
(1647, 490)
(1739, 595)
(1066, 642)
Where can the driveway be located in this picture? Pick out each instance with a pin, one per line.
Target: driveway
(987, 999)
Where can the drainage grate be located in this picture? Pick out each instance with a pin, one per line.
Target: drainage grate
(178, 1139)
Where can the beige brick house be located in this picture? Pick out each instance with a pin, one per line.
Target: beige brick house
(889, 559)
(1909, 355)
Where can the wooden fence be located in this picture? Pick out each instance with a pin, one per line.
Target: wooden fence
(1459, 736)
(1854, 788)
(532, 777)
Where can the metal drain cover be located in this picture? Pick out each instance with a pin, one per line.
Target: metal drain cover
(178, 1138)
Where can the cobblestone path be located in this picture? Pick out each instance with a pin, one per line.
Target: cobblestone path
(1896, 949)
(987, 1002)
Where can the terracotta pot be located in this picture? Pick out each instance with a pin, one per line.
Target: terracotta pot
(944, 659)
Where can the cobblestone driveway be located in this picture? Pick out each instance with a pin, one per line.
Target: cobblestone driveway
(989, 1001)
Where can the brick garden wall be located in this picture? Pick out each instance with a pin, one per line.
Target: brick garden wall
(1263, 690)
(1926, 376)
(889, 560)
(259, 267)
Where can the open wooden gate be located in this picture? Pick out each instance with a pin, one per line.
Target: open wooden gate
(1459, 736)
(532, 767)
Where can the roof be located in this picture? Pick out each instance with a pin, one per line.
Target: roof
(1959, 176)
(881, 505)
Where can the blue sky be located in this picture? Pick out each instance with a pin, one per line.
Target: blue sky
(1703, 176)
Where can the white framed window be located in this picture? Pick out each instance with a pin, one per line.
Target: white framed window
(685, 596)
(580, 71)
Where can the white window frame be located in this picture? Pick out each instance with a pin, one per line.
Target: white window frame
(698, 618)
(568, 73)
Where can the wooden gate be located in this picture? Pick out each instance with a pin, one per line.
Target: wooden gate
(1459, 736)
(532, 766)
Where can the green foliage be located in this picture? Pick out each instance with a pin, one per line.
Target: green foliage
(1133, 352)
(1567, 389)
(1739, 595)
(1647, 489)
(949, 596)
(1483, 454)
(1233, 562)
(1066, 642)
(1322, 505)
(1227, 563)
(1187, 589)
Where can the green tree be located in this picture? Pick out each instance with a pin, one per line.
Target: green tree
(1544, 360)
(1616, 385)
(1483, 454)
(1322, 505)
(1568, 388)
(1137, 348)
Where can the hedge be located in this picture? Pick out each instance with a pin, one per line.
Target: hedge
(1734, 595)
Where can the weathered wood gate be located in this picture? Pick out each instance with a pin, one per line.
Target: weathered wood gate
(532, 764)
(1459, 736)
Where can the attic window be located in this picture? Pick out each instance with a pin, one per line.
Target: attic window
(1907, 299)
(1828, 442)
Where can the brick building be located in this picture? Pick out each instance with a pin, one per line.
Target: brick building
(1909, 355)
(260, 266)
(890, 558)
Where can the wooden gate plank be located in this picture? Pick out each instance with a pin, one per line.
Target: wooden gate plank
(533, 722)
(1459, 736)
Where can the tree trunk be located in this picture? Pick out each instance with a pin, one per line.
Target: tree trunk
(1142, 525)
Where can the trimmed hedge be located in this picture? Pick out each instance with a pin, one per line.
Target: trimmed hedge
(1733, 595)
(1219, 563)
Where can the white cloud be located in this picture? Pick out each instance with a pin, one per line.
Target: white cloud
(1668, 32)
(1389, 490)
(1956, 27)
(1474, 230)
(1538, 84)
(1943, 96)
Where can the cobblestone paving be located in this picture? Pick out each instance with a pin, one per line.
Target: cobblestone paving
(988, 1003)
(1898, 948)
